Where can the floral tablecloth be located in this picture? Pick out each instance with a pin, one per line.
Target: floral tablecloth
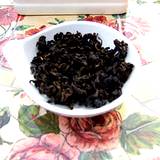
(130, 132)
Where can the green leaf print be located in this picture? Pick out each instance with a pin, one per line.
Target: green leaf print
(140, 131)
(141, 1)
(157, 1)
(17, 91)
(33, 124)
(117, 16)
(4, 116)
(22, 27)
(56, 21)
(2, 141)
(81, 17)
(102, 155)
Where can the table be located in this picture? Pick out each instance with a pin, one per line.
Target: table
(130, 132)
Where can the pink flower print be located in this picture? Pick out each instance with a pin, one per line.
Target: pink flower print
(96, 133)
(7, 16)
(133, 27)
(3, 61)
(48, 147)
(102, 19)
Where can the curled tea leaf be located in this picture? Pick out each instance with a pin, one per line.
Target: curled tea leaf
(76, 69)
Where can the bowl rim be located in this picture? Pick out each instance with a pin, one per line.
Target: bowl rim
(80, 112)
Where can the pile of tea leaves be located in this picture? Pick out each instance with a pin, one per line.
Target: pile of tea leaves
(76, 69)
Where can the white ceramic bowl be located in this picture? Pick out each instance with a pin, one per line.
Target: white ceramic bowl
(20, 53)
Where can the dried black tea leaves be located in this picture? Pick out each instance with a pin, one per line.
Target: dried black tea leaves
(76, 69)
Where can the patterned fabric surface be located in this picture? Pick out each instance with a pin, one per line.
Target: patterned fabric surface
(130, 132)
